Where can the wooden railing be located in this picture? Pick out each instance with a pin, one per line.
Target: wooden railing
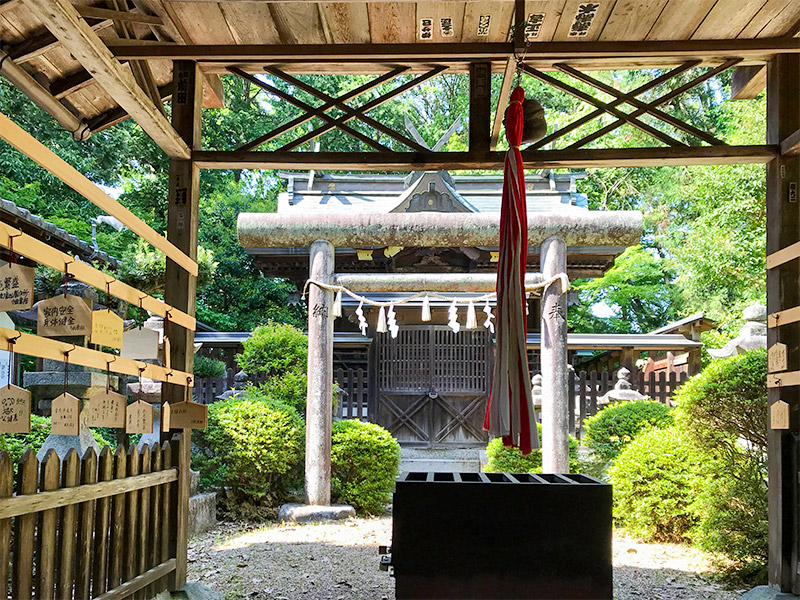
(107, 527)
(586, 387)
(353, 403)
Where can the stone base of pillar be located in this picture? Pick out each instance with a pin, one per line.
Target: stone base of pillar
(764, 592)
(307, 513)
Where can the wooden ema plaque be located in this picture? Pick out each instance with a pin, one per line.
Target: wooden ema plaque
(65, 415)
(184, 415)
(15, 411)
(64, 316)
(16, 287)
(779, 415)
(140, 344)
(139, 418)
(778, 357)
(106, 329)
(107, 409)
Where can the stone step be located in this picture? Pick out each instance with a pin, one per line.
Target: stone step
(441, 465)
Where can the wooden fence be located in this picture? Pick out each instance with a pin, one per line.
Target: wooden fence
(586, 387)
(107, 527)
(353, 402)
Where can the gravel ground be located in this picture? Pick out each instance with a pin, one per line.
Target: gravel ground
(339, 561)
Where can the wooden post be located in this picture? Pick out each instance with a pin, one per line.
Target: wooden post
(555, 396)
(181, 287)
(320, 377)
(783, 291)
(480, 106)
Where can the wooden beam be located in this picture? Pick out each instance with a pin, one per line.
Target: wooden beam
(502, 100)
(70, 83)
(37, 45)
(95, 12)
(117, 115)
(7, 5)
(748, 82)
(536, 159)
(127, 589)
(77, 37)
(47, 159)
(759, 48)
(783, 293)
(480, 106)
(791, 146)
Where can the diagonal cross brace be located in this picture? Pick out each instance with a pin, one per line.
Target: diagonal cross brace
(340, 104)
(459, 418)
(605, 107)
(304, 118)
(308, 108)
(405, 417)
(363, 109)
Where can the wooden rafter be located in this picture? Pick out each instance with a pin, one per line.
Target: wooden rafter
(95, 12)
(77, 37)
(505, 90)
(791, 145)
(37, 45)
(117, 114)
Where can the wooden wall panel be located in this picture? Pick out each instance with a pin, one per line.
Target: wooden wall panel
(785, 23)
(499, 25)
(251, 23)
(680, 19)
(392, 22)
(598, 23)
(298, 22)
(204, 22)
(632, 19)
(727, 19)
(552, 10)
(437, 10)
(345, 22)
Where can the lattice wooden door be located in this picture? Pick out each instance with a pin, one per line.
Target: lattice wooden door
(432, 385)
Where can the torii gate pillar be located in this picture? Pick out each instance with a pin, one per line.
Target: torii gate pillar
(555, 395)
(319, 401)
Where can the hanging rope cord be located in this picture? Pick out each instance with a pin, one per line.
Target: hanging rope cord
(561, 277)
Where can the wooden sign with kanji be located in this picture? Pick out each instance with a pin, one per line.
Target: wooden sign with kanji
(15, 410)
(64, 316)
(139, 418)
(779, 415)
(184, 415)
(140, 344)
(106, 329)
(65, 415)
(107, 409)
(778, 357)
(16, 287)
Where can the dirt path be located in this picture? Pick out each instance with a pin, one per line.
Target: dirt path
(339, 561)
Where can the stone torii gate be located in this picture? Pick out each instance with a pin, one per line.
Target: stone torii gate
(322, 232)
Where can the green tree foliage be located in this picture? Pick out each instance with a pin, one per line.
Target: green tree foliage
(365, 459)
(509, 459)
(614, 427)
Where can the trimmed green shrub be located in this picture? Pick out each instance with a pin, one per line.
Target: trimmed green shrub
(289, 388)
(365, 459)
(614, 427)
(656, 479)
(508, 459)
(274, 349)
(732, 509)
(16, 443)
(253, 446)
(727, 402)
(208, 367)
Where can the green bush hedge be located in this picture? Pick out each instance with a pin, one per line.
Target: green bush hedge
(365, 459)
(508, 459)
(289, 388)
(656, 478)
(614, 427)
(253, 446)
(204, 366)
(16, 443)
(274, 349)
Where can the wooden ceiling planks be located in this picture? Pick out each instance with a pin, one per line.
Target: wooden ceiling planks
(251, 22)
(578, 25)
(785, 23)
(549, 13)
(478, 28)
(680, 19)
(345, 22)
(727, 19)
(439, 21)
(632, 19)
(204, 22)
(298, 22)
(392, 22)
